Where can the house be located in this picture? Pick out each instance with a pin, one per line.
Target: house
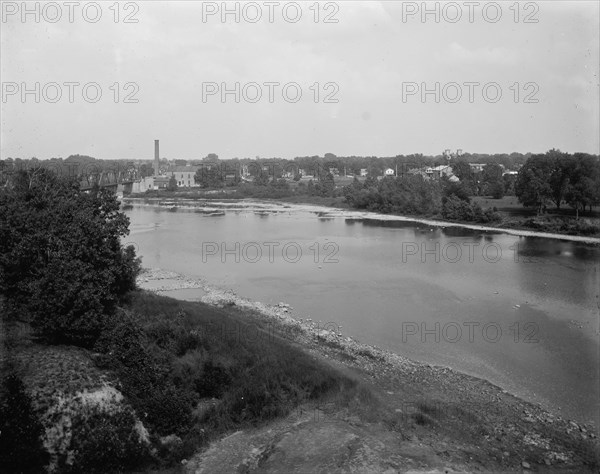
(184, 175)
(363, 172)
(477, 167)
(389, 172)
(161, 182)
(439, 171)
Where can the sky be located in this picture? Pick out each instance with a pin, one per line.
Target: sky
(351, 78)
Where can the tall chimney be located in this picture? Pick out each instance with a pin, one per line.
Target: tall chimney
(156, 158)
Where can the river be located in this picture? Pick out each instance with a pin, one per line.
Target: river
(519, 311)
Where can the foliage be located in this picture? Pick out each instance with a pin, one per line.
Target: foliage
(460, 210)
(21, 448)
(195, 352)
(584, 182)
(413, 195)
(492, 180)
(209, 177)
(105, 442)
(61, 259)
(144, 372)
(172, 185)
(555, 177)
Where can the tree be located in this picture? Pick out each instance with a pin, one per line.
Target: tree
(326, 186)
(560, 164)
(262, 179)
(172, 186)
(62, 265)
(209, 177)
(532, 186)
(583, 188)
(454, 188)
(146, 170)
(492, 180)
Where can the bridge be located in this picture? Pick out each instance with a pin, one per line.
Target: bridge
(115, 180)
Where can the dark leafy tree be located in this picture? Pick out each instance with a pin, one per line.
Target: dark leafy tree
(584, 182)
(492, 180)
(560, 166)
(62, 264)
(532, 186)
(172, 185)
(209, 177)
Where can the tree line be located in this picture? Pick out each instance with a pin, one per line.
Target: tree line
(556, 178)
(415, 195)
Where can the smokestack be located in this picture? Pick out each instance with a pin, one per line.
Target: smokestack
(156, 158)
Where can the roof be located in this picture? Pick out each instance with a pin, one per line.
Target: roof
(185, 169)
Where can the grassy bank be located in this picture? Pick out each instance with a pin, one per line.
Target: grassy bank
(194, 373)
(188, 372)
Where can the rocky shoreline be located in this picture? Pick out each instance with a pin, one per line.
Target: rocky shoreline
(463, 423)
(282, 313)
(308, 332)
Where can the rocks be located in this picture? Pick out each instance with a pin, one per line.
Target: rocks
(526, 465)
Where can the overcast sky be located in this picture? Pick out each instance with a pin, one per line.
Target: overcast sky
(371, 55)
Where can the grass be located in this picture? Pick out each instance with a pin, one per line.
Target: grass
(248, 366)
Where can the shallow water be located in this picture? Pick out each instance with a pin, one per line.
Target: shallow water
(521, 312)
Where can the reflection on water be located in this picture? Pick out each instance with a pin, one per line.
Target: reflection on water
(519, 311)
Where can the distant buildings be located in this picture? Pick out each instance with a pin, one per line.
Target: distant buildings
(184, 175)
(437, 173)
(389, 172)
(477, 167)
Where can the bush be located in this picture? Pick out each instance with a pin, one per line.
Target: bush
(145, 372)
(213, 381)
(105, 442)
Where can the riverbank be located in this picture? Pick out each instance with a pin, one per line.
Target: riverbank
(422, 416)
(324, 211)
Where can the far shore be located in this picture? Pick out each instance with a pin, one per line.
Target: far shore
(267, 205)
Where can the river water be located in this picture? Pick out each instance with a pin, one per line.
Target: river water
(521, 312)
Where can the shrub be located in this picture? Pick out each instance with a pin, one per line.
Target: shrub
(144, 371)
(105, 442)
(213, 381)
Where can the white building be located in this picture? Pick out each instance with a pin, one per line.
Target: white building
(184, 175)
(442, 170)
(389, 172)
